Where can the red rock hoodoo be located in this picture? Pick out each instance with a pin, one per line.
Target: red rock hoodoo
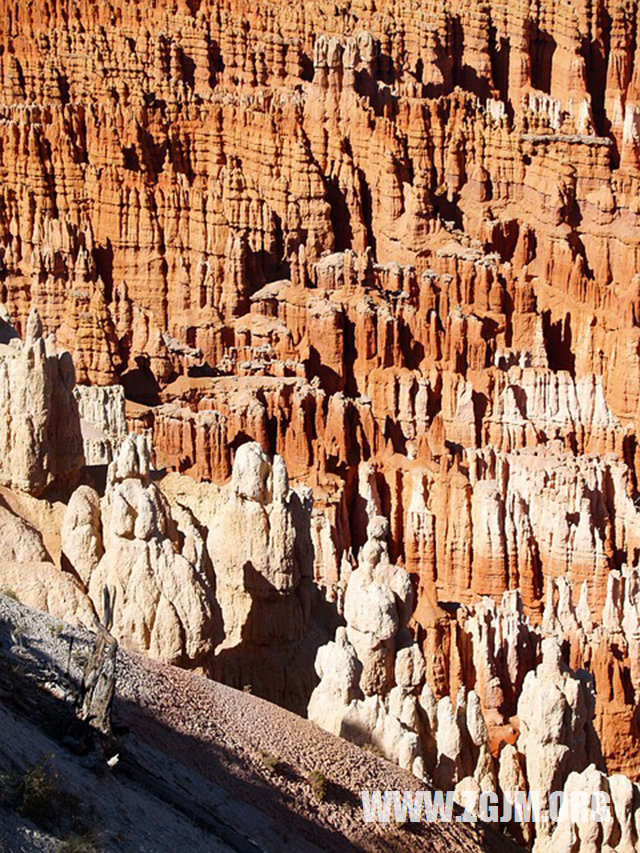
(396, 243)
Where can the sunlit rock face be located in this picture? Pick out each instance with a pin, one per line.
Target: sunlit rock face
(153, 564)
(103, 421)
(370, 276)
(40, 440)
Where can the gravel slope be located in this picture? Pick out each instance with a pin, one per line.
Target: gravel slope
(204, 767)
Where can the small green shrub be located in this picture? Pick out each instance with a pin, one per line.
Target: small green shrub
(10, 593)
(318, 784)
(79, 659)
(87, 842)
(57, 629)
(270, 761)
(41, 800)
(39, 795)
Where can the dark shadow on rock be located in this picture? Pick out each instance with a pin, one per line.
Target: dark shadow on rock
(139, 383)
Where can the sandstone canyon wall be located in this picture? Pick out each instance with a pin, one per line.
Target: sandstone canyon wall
(397, 246)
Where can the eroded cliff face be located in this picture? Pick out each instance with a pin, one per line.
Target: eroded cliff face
(159, 165)
(396, 245)
(411, 231)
